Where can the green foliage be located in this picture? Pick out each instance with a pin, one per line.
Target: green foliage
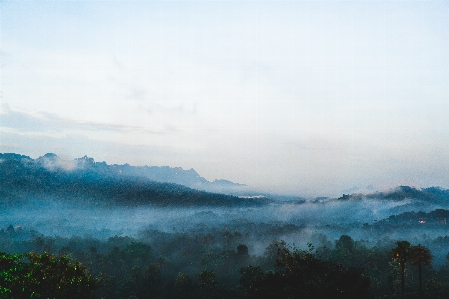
(420, 256)
(208, 282)
(345, 242)
(435, 289)
(401, 252)
(216, 264)
(44, 276)
(152, 275)
(401, 255)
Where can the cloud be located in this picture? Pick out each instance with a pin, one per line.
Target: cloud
(173, 110)
(118, 63)
(137, 94)
(298, 145)
(50, 122)
(3, 54)
(56, 163)
(70, 146)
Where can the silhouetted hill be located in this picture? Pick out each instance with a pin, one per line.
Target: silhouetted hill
(431, 194)
(438, 216)
(164, 174)
(85, 180)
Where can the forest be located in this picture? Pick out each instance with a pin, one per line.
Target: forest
(94, 232)
(215, 263)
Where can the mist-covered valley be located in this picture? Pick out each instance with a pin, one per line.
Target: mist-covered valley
(296, 221)
(91, 209)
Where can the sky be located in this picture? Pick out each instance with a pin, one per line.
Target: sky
(310, 98)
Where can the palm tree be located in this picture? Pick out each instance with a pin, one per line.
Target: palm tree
(401, 255)
(420, 255)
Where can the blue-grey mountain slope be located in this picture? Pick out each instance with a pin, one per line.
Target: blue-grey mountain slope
(84, 180)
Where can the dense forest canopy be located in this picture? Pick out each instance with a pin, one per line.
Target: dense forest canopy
(213, 264)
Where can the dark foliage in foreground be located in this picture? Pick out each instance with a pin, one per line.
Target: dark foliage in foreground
(301, 274)
(44, 276)
(209, 265)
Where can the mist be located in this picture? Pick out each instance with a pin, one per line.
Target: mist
(298, 222)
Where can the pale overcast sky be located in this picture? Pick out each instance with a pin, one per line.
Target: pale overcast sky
(301, 97)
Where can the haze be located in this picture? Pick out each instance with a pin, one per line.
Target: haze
(307, 98)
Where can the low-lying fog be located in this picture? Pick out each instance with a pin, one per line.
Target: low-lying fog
(55, 217)
(299, 222)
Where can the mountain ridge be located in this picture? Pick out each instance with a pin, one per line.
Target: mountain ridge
(403, 192)
(83, 178)
(164, 174)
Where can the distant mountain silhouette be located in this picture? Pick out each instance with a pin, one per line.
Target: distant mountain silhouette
(431, 194)
(435, 217)
(85, 179)
(189, 178)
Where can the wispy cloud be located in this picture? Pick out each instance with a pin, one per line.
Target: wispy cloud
(56, 163)
(72, 146)
(49, 122)
(118, 63)
(137, 94)
(298, 145)
(178, 109)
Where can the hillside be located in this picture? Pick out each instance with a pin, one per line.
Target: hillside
(87, 181)
(400, 193)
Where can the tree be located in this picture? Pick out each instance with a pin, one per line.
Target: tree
(420, 255)
(252, 280)
(344, 252)
(242, 250)
(299, 274)
(208, 283)
(183, 286)
(272, 251)
(401, 255)
(345, 242)
(44, 275)
(152, 275)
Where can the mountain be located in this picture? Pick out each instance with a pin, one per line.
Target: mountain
(435, 217)
(403, 199)
(189, 178)
(431, 194)
(84, 179)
